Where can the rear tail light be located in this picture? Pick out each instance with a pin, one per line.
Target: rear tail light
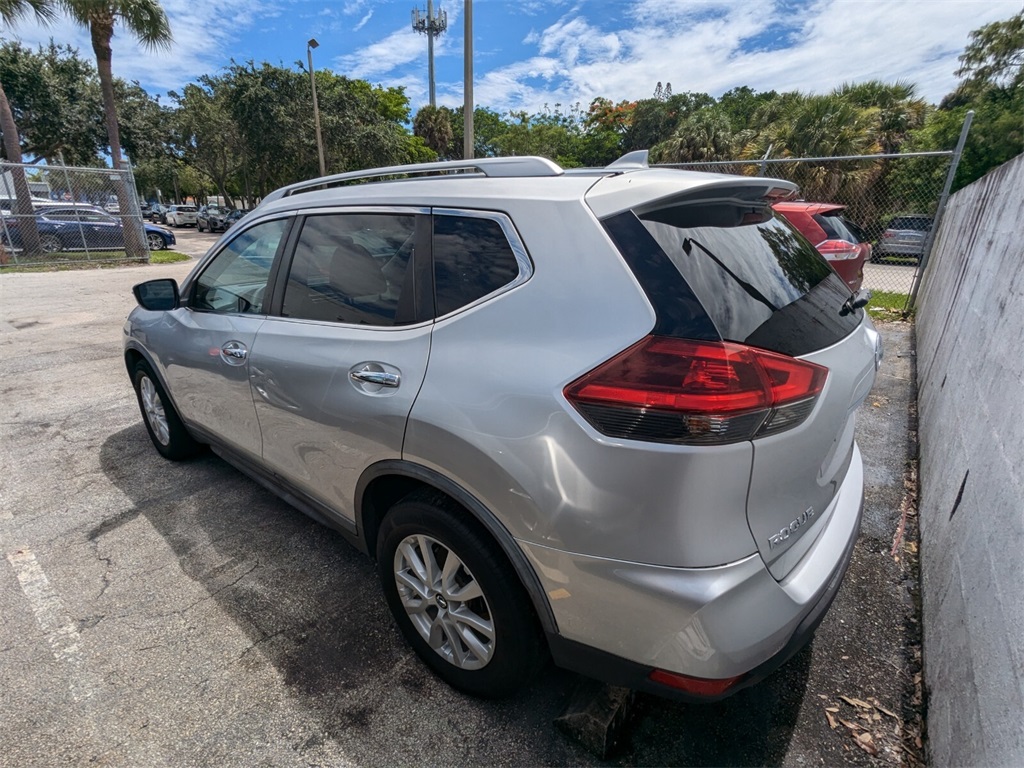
(838, 250)
(671, 390)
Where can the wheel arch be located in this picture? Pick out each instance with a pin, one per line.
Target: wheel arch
(133, 355)
(386, 482)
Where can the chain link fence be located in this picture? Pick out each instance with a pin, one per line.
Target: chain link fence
(66, 214)
(891, 201)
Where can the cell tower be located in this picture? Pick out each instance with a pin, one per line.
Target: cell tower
(432, 26)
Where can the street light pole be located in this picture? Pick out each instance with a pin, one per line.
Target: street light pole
(467, 106)
(310, 45)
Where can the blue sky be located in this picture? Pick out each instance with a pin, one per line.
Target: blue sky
(538, 52)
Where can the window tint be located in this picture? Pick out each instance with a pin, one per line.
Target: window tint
(353, 268)
(757, 283)
(472, 258)
(236, 280)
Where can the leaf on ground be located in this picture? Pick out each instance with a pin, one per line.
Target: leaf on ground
(865, 742)
(852, 726)
(831, 720)
(856, 702)
(831, 709)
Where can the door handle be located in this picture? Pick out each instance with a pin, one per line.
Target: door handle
(383, 378)
(234, 352)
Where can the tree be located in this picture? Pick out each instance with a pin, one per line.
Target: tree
(488, 125)
(995, 56)
(55, 98)
(895, 111)
(10, 12)
(992, 72)
(145, 20)
(703, 136)
(434, 126)
(655, 120)
(207, 135)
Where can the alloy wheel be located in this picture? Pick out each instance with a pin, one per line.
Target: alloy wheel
(444, 602)
(153, 407)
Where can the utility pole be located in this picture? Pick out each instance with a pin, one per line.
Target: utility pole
(467, 106)
(432, 26)
(310, 45)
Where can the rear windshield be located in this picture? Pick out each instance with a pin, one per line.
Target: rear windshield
(919, 223)
(835, 227)
(756, 283)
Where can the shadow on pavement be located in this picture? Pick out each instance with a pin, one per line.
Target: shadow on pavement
(311, 606)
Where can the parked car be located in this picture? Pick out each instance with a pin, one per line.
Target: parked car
(604, 414)
(181, 216)
(905, 236)
(158, 213)
(233, 217)
(68, 227)
(212, 217)
(834, 237)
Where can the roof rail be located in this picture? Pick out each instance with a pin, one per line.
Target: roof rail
(497, 167)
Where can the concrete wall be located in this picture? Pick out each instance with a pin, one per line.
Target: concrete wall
(970, 356)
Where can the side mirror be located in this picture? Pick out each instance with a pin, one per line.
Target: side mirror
(157, 295)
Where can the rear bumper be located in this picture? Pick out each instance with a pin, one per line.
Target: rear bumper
(619, 621)
(616, 670)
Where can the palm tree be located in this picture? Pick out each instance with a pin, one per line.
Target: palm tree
(146, 20)
(703, 136)
(433, 125)
(895, 110)
(10, 12)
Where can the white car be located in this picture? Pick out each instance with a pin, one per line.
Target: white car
(181, 216)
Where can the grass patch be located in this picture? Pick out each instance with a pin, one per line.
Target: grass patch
(886, 305)
(63, 261)
(167, 257)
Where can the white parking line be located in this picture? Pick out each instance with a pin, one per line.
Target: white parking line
(53, 619)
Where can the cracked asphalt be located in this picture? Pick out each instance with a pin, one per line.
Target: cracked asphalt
(159, 614)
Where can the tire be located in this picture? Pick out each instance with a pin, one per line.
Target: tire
(155, 242)
(165, 429)
(51, 244)
(488, 643)
(199, 227)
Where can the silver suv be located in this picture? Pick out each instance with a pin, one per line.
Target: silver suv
(606, 415)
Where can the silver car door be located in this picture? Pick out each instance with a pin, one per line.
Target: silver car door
(207, 341)
(336, 374)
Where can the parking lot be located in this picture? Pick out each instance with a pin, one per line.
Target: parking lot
(179, 614)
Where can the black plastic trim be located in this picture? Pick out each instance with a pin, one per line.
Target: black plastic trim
(480, 512)
(679, 312)
(281, 488)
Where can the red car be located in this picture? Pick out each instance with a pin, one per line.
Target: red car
(833, 236)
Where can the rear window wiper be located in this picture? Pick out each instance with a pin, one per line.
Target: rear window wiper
(855, 302)
(747, 287)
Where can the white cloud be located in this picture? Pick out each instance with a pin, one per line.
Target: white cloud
(363, 21)
(197, 48)
(400, 47)
(698, 45)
